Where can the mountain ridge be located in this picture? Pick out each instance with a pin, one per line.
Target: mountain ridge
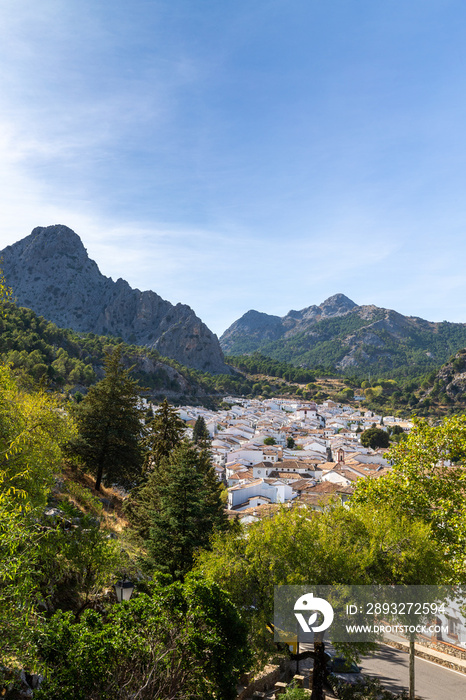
(51, 273)
(340, 335)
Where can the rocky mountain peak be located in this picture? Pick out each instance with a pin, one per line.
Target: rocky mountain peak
(255, 328)
(336, 305)
(53, 240)
(345, 336)
(253, 317)
(51, 273)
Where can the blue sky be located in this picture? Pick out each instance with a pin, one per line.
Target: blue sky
(238, 155)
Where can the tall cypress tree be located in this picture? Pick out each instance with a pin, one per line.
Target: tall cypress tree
(110, 426)
(165, 432)
(200, 433)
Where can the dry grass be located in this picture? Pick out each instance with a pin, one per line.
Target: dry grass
(87, 499)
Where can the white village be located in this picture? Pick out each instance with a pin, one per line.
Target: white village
(278, 451)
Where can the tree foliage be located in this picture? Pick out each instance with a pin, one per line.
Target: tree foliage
(375, 437)
(186, 508)
(300, 546)
(164, 433)
(200, 433)
(260, 364)
(428, 481)
(33, 427)
(17, 557)
(183, 641)
(76, 561)
(360, 546)
(110, 428)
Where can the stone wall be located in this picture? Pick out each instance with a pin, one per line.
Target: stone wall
(424, 652)
(265, 680)
(443, 647)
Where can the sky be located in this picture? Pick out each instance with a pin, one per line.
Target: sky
(244, 155)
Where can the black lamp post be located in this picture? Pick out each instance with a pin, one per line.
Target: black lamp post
(123, 590)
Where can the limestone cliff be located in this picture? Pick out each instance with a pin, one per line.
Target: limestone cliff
(51, 273)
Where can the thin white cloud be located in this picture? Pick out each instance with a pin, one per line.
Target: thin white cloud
(222, 274)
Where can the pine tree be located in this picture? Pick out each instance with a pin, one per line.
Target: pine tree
(110, 426)
(165, 432)
(187, 510)
(200, 433)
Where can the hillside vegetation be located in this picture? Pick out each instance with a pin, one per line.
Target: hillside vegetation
(425, 394)
(325, 348)
(70, 362)
(339, 336)
(63, 544)
(66, 360)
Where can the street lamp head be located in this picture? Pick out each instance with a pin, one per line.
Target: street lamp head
(123, 590)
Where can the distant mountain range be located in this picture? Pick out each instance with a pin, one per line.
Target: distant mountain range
(51, 273)
(339, 334)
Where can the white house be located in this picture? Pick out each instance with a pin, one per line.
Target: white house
(251, 456)
(453, 624)
(258, 492)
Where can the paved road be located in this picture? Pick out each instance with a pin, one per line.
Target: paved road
(432, 682)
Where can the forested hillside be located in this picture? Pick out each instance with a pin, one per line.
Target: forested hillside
(67, 361)
(341, 336)
(64, 545)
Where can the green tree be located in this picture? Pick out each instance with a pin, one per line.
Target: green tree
(295, 693)
(375, 437)
(184, 509)
(33, 427)
(200, 433)
(346, 395)
(110, 426)
(75, 564)
(270, 441)
(360, 546)
(45, 564)
(165, 432)
(427, 481)
(183, 640)
(290, 443)
(16, 581)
